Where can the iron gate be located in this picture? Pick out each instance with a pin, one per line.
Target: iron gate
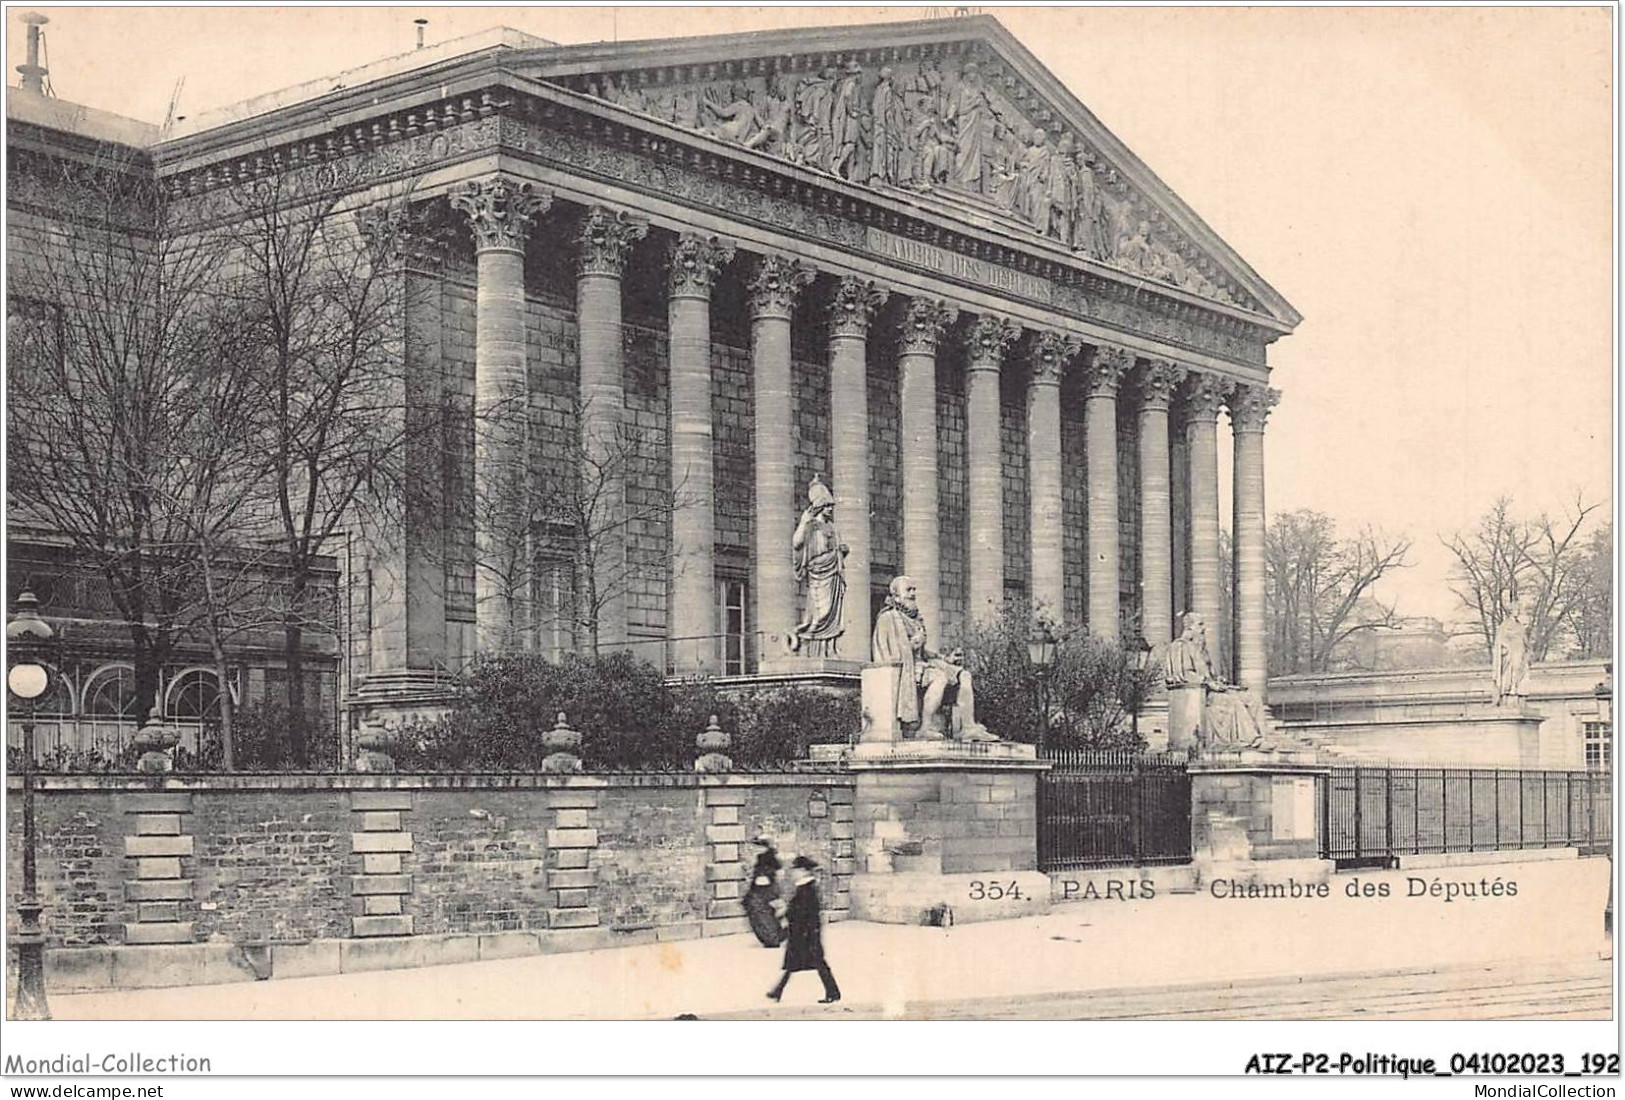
(1113, 809)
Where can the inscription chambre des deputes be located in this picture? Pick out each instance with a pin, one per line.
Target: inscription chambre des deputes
(1413, 887)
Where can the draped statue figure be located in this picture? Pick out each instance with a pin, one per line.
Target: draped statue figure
(1511, 662)
(820, 563)
(1231, 716)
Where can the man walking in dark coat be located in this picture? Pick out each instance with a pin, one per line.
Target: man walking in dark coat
(804, 945)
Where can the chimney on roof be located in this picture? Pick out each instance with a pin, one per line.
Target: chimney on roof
(421, 23)
(33, 72)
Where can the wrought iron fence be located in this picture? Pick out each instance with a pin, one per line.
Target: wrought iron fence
(1372, 814)
(1105, 809)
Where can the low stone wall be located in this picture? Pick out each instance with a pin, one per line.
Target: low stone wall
(556, 862)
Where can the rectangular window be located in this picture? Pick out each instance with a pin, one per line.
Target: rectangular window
(1599, 746)
(731, 596)
(555, 611)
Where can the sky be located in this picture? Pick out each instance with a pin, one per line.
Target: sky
(1431, 188)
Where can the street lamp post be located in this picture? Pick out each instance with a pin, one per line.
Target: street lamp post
(1041, 652)
(1142, 661)
(26, 633)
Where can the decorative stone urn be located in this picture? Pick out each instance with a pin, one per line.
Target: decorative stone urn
(156, 743)
(711, 743)
(373, 741)
(561, 742)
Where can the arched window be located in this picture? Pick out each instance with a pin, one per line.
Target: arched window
(57, 702)
(194, 696)
(111, 693)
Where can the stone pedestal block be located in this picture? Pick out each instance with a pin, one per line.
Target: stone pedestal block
(946, 827)
(1250, 807)
(879, 688)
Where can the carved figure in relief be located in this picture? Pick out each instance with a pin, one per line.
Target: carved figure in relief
(728, 112)
(933, 149)
(820, 563)
(846, 123)
(889, 131)
(970, 117)
(815, 102)
(1089, 216)
(686, 108)
(1060, 199)
(773, 111)
(927, 682)
(624, 94)
(1033, 179)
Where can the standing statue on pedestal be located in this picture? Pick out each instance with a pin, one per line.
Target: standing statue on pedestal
(820, 562)
(1230, 716)
(1511, 662)
(928, 681)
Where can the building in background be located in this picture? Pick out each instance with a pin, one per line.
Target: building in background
(653, 289)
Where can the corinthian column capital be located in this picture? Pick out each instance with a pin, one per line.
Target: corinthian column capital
(1107, 370)
(1050, 353)
(500, 210)
(924, 322)
(694, 262)
(1250, 406)
(1159, 378)
(853, 306)
(606, 238)
(1203, 396)
(774, 284)
(990, 337)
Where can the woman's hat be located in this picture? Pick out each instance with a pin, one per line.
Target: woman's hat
(806, 863)
(764, 840)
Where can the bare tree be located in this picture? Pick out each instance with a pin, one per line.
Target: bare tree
(1319, 589)
(610, 486)
(320, 306)
(113, 337)
(1592, 618)
(1536, 568)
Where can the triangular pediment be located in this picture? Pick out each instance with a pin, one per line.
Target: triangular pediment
(955, 109)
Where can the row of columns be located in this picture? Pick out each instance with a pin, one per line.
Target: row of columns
(500, 212)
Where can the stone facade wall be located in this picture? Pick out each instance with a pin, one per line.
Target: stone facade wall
(243, 859)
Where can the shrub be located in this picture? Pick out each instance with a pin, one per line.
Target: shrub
(1092, 684)
(776, 725)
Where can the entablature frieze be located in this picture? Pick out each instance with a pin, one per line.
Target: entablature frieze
(544, 127)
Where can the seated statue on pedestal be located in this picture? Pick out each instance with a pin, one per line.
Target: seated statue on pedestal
(928, 681)
(1231, 715)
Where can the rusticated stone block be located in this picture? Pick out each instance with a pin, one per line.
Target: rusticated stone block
(180, 932)
(381, 884)
(157, 824)
(141, 846)
(159, 890)
(725, 815)
(166, 867)
(158, 911)
(396, 925)
(380, 800)
(564, 799)
(572, 859)
(572, 918)
(384, 863)
(572, 838)
(570, 880)
(162, 802)
(574, 899)
(572, 819)
(381, 821)
(380, 842)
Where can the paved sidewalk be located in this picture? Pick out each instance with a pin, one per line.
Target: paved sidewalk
(898, 972)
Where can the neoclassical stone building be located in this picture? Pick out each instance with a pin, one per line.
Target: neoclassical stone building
(903, 258)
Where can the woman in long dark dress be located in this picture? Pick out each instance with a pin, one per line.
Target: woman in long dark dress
(804, 943)
(763, 893)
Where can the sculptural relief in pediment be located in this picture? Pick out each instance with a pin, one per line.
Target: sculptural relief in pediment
(935, 125)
